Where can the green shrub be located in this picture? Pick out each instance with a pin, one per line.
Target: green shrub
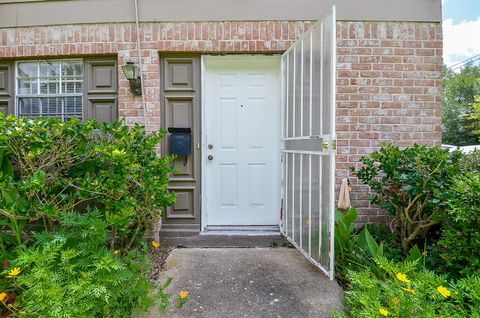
(79, 166)
(344, 232)
(461, 235)
(93, 189)
(392, 248)
(71, 273)
(353, 249)
(402, 290)
(411, 184)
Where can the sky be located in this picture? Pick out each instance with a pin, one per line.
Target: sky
(461, 30)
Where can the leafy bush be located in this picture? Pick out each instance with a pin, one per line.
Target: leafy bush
(79, 166)
(356, 249)
(411, 184)
(93, 189)
(461, 235)
(402, 290)
(381, 233)
(353, 249)
(460, 89)
(434, 196)
(344, 232)
(71, 273)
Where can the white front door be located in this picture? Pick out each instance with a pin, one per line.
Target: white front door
(241, 110)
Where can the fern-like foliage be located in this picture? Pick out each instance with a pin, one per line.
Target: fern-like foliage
(71, 273)
(404, 290)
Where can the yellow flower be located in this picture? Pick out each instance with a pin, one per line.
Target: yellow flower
(118, 153)
(14, 272)
(403, 277)
(384, 311)
(444, 291)
(3, 296)
(409, 290)
(395, 301)
(183, 294)
(116, 252)
(155, 244)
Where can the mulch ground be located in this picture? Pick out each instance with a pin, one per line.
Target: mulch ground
(158, 258)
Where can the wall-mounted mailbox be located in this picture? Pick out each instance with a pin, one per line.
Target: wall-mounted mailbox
(180, 141)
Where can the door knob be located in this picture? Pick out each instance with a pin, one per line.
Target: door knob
(210, 157)
(210, 146)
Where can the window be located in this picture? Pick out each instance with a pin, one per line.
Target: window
(50, 88)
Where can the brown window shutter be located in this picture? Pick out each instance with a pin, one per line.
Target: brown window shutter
(7, 88)
(101, 86)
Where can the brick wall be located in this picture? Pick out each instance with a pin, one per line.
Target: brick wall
(389, 73)
(119, 38)
(389, 89)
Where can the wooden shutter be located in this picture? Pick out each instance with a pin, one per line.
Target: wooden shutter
(101, 86)
(7, 89)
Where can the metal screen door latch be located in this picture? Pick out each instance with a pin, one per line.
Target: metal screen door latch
(326, 145)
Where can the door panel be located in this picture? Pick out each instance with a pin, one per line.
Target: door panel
(308, 142)
(242, 125)
(180, 104)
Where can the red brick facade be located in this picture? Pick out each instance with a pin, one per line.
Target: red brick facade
(389, 73)
(389, 89)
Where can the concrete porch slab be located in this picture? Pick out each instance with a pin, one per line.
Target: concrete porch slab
(224, 241)
(253, 282)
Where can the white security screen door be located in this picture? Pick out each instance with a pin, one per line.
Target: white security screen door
(308, 142)
(242, 115)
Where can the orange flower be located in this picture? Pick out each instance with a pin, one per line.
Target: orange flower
(395, 301)
(183, 294)
(3, 296)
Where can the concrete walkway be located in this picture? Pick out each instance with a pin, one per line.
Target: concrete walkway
(249, 282)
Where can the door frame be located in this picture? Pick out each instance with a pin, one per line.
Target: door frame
(203, 111)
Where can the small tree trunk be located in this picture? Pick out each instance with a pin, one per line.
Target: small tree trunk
(405, 245)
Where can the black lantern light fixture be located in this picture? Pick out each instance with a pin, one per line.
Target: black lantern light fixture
(132, 73)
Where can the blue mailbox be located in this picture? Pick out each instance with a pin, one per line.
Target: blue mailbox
(180, 141)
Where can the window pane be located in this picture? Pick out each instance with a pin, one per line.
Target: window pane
(27, 87)
(53, 88)
(79, 87)
(49, 69)
(73, 105)
(72, 68)
(49, 87)
(27, 69)
(70, 87)
(35, 102)
(24, 106)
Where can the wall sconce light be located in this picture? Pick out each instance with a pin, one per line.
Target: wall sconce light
(132, 73)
